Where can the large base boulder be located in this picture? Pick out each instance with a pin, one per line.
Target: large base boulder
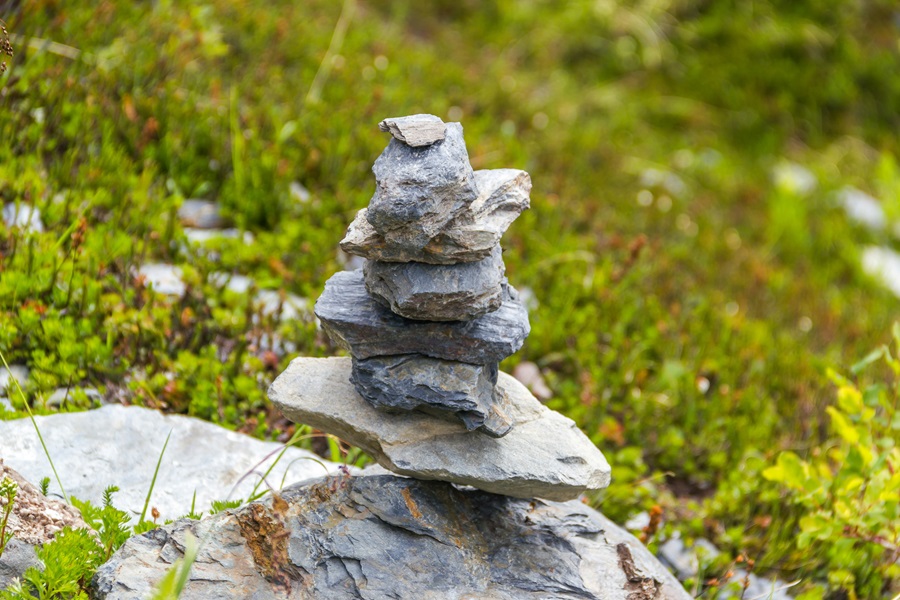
(382, 536)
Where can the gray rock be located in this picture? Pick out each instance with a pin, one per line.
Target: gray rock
(544, 455)
(119, 445)
(418, 190)
(415, 130)
(503, 195)
(358, 323)
(459, 292)
(683, 560)
(24, 216)
(163, 278)
(200, 214)
(62, 394)
(444, 388)
(35, 520)
(381, 536)
(18, 373)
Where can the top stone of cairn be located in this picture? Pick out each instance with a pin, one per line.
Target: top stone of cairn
(415, 130)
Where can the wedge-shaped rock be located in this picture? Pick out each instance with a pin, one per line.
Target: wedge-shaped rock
(445, 388)
(415, 130)
(459, 292)
(419, 190)
(544, 455)
(381, 536)
(361, 325)
(503, 195)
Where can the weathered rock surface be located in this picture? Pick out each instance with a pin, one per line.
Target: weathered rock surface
(381, 536)
(503, 195)
(415, 130)
(119, 445)
(418, 190)
(201, 214)
(35, 519)
(459, 292)
(544, 455)
(361, 325)
(444, 388)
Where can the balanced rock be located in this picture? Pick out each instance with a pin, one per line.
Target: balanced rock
(444, 388)
(361, 325)
(471, 236)
(381, 536)
(544, 455)
(459, 292)
(419, 189)
(415, 130)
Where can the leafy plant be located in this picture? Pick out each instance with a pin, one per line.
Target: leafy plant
(8, 489)
(849, 490)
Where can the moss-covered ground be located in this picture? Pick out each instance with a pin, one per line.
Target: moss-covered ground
(691, 287)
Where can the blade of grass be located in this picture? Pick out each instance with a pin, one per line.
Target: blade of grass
(36, 428)
(153, 481)
(337, 40)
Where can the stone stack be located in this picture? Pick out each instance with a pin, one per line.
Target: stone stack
(430, 316)
(426, 322)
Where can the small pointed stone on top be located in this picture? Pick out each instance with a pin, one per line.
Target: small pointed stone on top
(415, 130)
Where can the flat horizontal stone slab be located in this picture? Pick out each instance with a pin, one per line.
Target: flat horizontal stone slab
(502, 196)
(459, 292)
(381, 536)
(445, 388)
(545, 454)
(357, 322)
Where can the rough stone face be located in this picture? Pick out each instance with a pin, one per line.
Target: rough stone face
(381, 536)
(415, 130)
(35, 520)
(544, 455)
(444, 388)
(418, 190)
(119, 445)
(459, 292)
(503, 195)
(361, 325)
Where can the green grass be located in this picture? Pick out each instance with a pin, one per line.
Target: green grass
(688, 303)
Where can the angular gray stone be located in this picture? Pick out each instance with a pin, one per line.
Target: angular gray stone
(418, 190)
(361, 325)
(503, 195)
(459, 292)
(201, 214)
(415, 130)
(381, 536)
(444, 388)
(119, 445)
(544, 455)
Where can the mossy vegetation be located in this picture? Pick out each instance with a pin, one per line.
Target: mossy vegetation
(691, 286)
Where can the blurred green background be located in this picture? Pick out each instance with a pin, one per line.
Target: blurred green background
(692, 267)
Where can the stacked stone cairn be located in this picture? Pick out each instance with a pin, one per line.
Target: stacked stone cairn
(426, 321)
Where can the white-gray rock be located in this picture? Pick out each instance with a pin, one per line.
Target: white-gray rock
(862, 208)
(163, 278)
(459, 292)
(24, 216)
(118, 445)
(545, 454)
(18, 373)
(201, 214)
(419, 190)
(883, 263)
(415, 130)
(503, 195)
(380, 536)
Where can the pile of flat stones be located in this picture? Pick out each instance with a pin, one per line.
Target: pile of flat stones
(426, 321)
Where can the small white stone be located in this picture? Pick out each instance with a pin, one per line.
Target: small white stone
(24, 216)
(862, 208)
(164, 279)
(883, 264)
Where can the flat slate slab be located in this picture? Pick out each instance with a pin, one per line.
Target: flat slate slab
(544, 455)
(120, 445)
(381, 536)
(360, 324)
